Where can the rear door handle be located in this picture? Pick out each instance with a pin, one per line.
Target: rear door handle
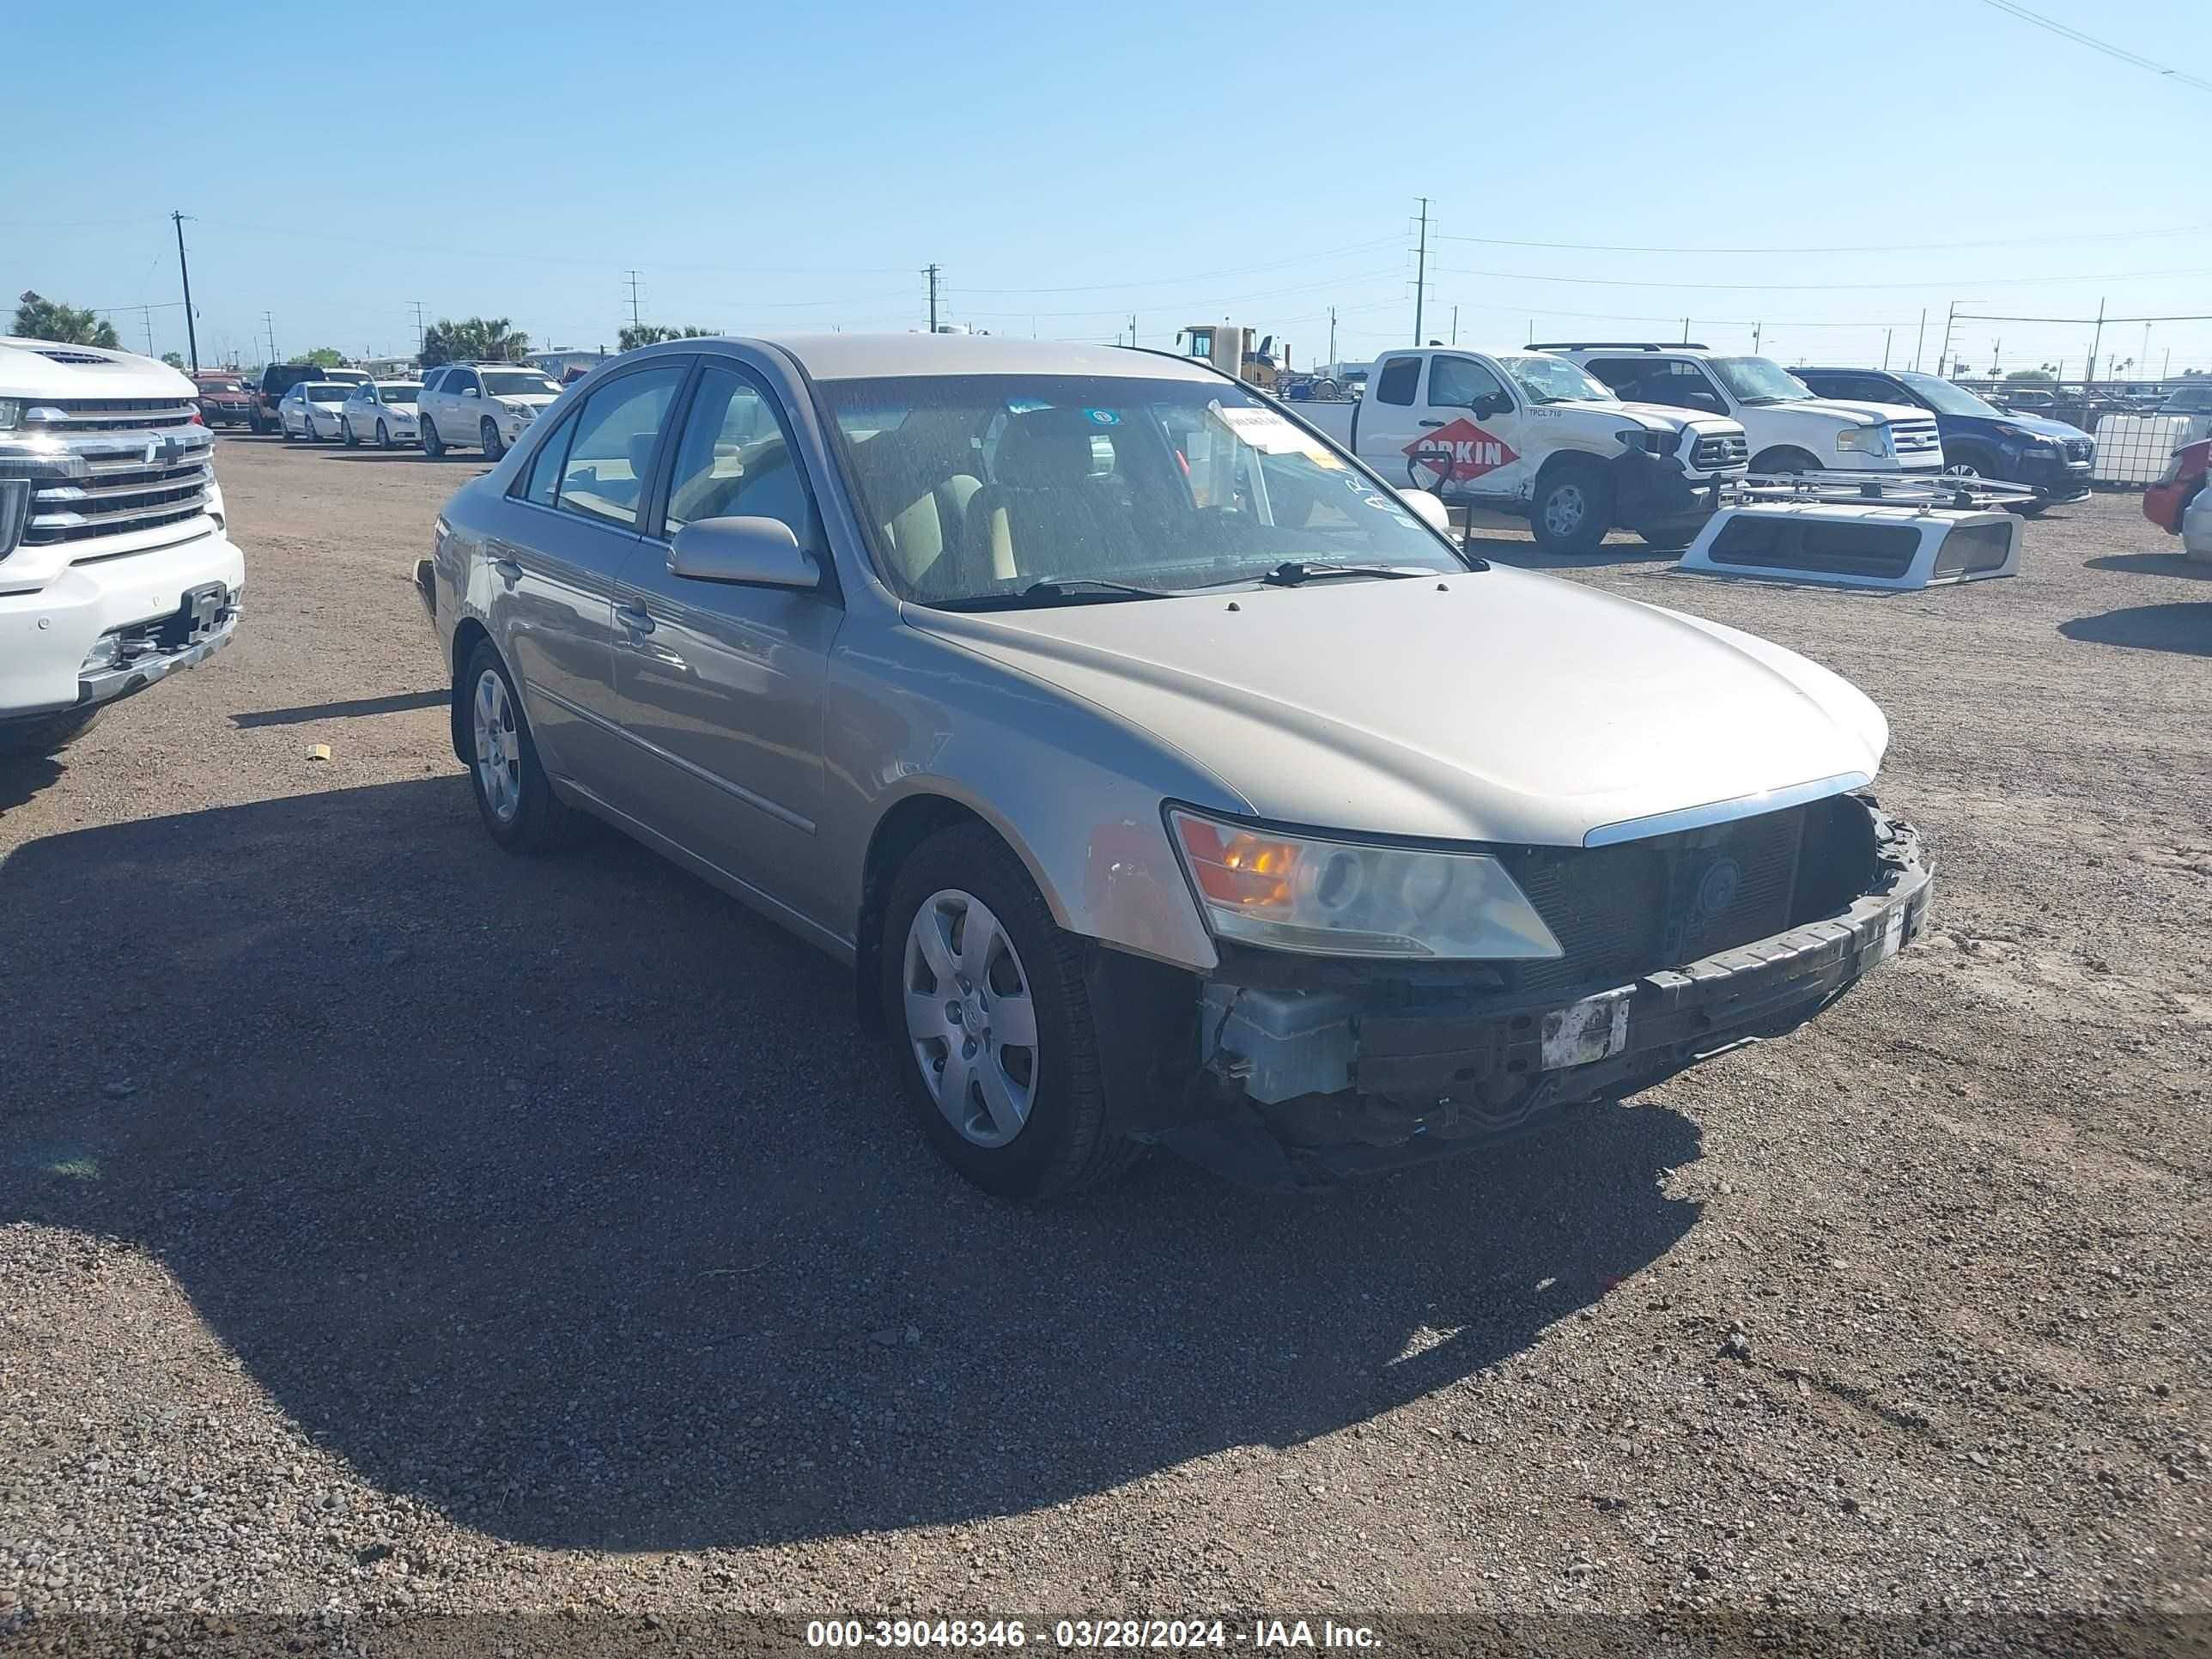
(633, 617)
(1431, 423)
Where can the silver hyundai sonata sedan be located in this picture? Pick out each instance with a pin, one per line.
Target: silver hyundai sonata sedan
(1165, 775)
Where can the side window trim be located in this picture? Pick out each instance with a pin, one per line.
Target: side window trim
(559, 435)
(572, 421)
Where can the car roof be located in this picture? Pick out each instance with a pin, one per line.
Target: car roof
(867, 357)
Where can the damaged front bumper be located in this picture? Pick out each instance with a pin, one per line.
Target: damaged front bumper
(1300, 1087)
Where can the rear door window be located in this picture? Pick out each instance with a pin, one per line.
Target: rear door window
(618, 432)
(1399, 379)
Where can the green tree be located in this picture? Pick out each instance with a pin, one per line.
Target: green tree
(38, 318)
(2042, 376)
(174, 359)
(473, 339)
(325, 357)
(645, 334)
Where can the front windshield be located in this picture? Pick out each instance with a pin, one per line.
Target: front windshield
(1947, 400)
(1556, 381)
(977, 487)
(519, 385)
(1758, 379)
(398, 394)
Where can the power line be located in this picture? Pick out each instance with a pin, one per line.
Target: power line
(1863, 247)
(1195, 275)
(1824, 287)
(2011, 9)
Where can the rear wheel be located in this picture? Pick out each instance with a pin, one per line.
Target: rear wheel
(1572, 510)
(488, 435)
(433, 444)
(990, 1023)
(518, 806)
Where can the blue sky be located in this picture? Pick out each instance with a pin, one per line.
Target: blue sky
(774, 167)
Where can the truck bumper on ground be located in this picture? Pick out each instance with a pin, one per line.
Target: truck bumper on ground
(1450, 1075)
(99, 631)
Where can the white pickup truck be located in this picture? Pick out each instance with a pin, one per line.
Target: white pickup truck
(1792, 428)
(115, 565)
(1529, 434)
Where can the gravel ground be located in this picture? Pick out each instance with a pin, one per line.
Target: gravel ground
(387, 1225)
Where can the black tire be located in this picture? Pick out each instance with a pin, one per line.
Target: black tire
(433, 444)
(1783, 459)
(1064, 1146)
(345, 434)
(541, 822)
(384, 435)
(488, 437)
(1572, 509)
(284, 428)
(255, 425)
(47, 736)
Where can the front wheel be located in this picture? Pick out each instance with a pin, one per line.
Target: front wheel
(345, 432)
(488, 434)
(433, 444)
(383, 436)
(990, 1023)
(1572, 510)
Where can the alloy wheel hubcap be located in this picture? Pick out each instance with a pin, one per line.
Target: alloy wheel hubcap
(499, 747)
(1563, 513)
(970, 1018)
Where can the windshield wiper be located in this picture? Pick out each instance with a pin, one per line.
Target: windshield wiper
(1066, 590)
(1291, 572)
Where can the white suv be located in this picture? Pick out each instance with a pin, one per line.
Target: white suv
(1790, 429)
(486, 406)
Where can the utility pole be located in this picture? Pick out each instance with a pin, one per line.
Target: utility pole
(1920, 339)
(420, 336)
(1133, 330)
(1332, 340)
(636, 320)
(1756, 329)
(1949, 317)
(1686, 330)
(270, 325)
(930, 271)
(1455, 338)
(1421, 273)
(191, 331)
(1885, 334)
(2096, 342)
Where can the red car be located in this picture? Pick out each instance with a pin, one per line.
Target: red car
(2164, 502)
(224, 398)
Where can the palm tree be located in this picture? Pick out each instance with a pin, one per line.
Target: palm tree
(38, 318)
(473, 339)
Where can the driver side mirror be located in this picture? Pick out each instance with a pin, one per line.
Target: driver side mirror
(1428, 509)
(749, 551)
(1490, 404)
(470, 391)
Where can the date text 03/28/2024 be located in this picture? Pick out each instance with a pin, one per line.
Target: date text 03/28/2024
(1261, 1634)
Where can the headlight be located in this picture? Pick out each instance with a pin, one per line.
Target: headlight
(1652, 443)
(1864, 440)
(11, 410)
(1343, 898)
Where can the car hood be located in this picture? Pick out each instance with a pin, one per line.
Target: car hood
(1864, 414)
(1493, 706)
(1657, 417)
(44, 369)
(2042, 425)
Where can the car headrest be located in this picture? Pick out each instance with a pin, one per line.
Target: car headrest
(641, 453)
(1046, 449)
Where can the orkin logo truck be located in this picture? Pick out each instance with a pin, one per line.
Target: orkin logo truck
(1528, 432)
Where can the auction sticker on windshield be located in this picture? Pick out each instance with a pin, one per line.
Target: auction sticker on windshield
(1270, 434)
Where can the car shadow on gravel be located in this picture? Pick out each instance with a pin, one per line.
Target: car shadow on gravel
(563, 1195)
(2155, 564)
(1520, 550)
(2186, 627)
(370, 452)
(23, 776)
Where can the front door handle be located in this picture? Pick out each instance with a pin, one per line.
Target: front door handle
(1431, 423)
(633, 619)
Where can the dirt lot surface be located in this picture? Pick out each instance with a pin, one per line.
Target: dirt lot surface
(388, 1224)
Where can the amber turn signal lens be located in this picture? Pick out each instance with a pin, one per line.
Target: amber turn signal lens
(1235, 866)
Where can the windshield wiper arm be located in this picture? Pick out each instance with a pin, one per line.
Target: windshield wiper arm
(1291, 572)
(1065, 590)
